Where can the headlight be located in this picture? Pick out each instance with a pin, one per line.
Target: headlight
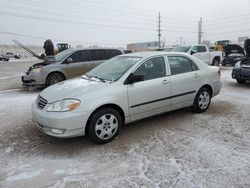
(64, 105)
(36, 70)
(237, 65)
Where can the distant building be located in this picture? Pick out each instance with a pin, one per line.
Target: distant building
(144, 46)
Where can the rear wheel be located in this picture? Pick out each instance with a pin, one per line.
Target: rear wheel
(104, 125)
(240, 81)
(54, 78)
(202, 100)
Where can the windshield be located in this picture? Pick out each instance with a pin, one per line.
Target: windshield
(181, 49)
(113, 69)
(59, 57)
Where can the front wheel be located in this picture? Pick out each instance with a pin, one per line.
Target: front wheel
(54, 78)
(104, 125)
(202, 100)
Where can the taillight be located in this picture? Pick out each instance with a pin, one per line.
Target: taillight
(219, 72)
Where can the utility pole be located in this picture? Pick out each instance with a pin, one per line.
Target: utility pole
(164, 42)
(159, 31)
(181, 41)
(199, 31)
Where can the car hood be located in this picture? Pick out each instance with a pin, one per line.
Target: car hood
(73, 88)
(234, 48)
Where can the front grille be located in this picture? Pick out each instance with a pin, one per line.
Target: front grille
(41, 102)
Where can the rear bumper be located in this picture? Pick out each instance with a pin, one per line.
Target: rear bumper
(217, 88)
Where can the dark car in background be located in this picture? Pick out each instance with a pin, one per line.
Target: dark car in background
(241, 71)
(233, 54)
(12, 55)
(3, 58)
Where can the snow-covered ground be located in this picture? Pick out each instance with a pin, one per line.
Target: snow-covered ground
(177, 149)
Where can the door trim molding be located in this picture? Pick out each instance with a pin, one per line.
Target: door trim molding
(162, 99)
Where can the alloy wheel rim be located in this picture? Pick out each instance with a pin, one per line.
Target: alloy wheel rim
(55, 79)
(106, 126)
(203, 100)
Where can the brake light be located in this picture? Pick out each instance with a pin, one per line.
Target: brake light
(219, 73)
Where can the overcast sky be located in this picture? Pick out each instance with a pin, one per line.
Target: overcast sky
(118, 22)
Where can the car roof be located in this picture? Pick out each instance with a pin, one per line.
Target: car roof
(77, 49)
(152, 53)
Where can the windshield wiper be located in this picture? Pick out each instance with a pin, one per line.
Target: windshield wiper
(86, 77)
(101, 79)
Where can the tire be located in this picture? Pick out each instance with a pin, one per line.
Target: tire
(202, 100)
(54, 78)
(216, 62)
(239, 81)
(104, 125)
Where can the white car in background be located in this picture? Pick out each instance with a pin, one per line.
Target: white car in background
(124, 89)
(203, 53)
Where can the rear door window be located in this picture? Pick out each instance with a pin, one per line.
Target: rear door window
(80, 56)
(201, 49)
(97, 55)
(180, 65)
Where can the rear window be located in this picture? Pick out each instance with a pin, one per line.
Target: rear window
(112, 53)
(103, 54)
(181, 49)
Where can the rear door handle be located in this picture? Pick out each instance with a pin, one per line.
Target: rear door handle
(165, 81)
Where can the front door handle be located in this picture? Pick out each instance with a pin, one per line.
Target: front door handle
(165, 81)
(196, 75)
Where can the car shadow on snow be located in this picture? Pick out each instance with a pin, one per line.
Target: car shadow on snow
(27, 140)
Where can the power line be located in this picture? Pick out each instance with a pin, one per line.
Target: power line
(74, 22)
(86, 23)
(45, 38)
(52, 6)
(56, 6)
(74, 14)
(230, 17)
(111, 19)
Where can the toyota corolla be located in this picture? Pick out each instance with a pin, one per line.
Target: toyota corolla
(124, 89)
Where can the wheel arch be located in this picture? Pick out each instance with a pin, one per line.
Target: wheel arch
(52, 72)
(208, 87)
(109, 105)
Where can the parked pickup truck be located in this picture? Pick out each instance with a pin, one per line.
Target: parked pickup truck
(202, 52)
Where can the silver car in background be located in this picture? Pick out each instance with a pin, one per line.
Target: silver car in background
(65, 65)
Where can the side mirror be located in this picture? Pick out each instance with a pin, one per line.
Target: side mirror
(69, 60)
(193, 52)
(133, 78)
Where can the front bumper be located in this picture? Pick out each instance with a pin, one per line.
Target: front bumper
(241, 73)
(32, 80)
(60, 124)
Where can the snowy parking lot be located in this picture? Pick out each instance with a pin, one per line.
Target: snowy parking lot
(177, 149)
